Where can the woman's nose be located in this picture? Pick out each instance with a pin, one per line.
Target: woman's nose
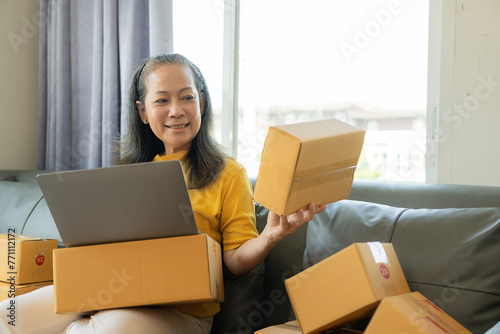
(176, 109)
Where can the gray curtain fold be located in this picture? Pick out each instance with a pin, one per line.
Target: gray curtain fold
(88, 51)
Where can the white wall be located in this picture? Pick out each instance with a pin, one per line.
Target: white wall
(464, 93)
(18, 83)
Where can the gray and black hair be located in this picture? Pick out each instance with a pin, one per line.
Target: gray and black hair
(205, 158)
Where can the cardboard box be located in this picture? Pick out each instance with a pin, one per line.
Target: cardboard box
(8, 290)
(346, 286)
(292, 327)
(412, 314)
(173, 270)
(307, 162)
(26, 259)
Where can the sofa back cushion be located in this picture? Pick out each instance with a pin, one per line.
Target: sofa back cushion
(452, 257)
(344, 223)
(425, 195)
(22, 206)
(17, 200)
(41, 224)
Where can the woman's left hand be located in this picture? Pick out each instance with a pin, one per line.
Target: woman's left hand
(246, 257)
(278, 227)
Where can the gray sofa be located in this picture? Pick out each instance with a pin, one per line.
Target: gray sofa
(447, 238)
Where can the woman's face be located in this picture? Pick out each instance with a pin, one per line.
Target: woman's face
(172, 106)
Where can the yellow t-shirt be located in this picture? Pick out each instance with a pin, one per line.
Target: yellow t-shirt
(224, 210)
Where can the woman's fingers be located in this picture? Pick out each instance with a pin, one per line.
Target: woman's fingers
(289, 224)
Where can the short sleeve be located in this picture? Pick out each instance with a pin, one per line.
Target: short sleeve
(238, 211)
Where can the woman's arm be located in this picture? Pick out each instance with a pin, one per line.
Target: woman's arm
(249, 255)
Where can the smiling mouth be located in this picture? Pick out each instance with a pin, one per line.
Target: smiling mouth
(177, 126)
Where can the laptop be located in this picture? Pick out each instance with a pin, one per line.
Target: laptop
(120, 203)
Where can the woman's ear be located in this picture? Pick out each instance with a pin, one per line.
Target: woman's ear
(142, 112)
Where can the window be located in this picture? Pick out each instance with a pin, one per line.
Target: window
(198, 35)
(363, 62)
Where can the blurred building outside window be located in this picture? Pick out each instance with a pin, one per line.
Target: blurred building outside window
(363, 62)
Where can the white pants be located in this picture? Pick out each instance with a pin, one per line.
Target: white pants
(34, 313)
(494, 330)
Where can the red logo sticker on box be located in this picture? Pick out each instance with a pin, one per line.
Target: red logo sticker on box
(384, 271)
(39, 259)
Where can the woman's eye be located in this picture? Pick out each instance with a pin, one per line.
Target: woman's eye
(189, 97)
(161, 101)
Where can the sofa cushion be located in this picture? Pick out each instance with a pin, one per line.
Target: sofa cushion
(22, 176)
(41, 224)
(240, 312)
(451, 256)
(284, 261)
(344, 223)
(17, 201)
(425, 195)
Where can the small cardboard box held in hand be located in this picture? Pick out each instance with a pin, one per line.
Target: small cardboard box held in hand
(412, 313)
(346, 286)
(307, 162)
(26, 259)
(174, 270)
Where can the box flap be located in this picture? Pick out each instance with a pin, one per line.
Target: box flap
(412, 313)
(336, 145)
(425, 314)
(306, 131)
(22, 238)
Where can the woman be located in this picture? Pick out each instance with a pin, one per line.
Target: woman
(170, 117)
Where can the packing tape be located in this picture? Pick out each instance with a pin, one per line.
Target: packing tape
(378, 252)
(327, 168)
(324, 177)
(30, 238)
(20, 236)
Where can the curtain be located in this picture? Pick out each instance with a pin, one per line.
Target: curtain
(88, 51)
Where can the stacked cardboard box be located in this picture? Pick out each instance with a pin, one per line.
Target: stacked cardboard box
(164, 271)
(412, 314)
(26, 264)
(345, 287)
(361, 280)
